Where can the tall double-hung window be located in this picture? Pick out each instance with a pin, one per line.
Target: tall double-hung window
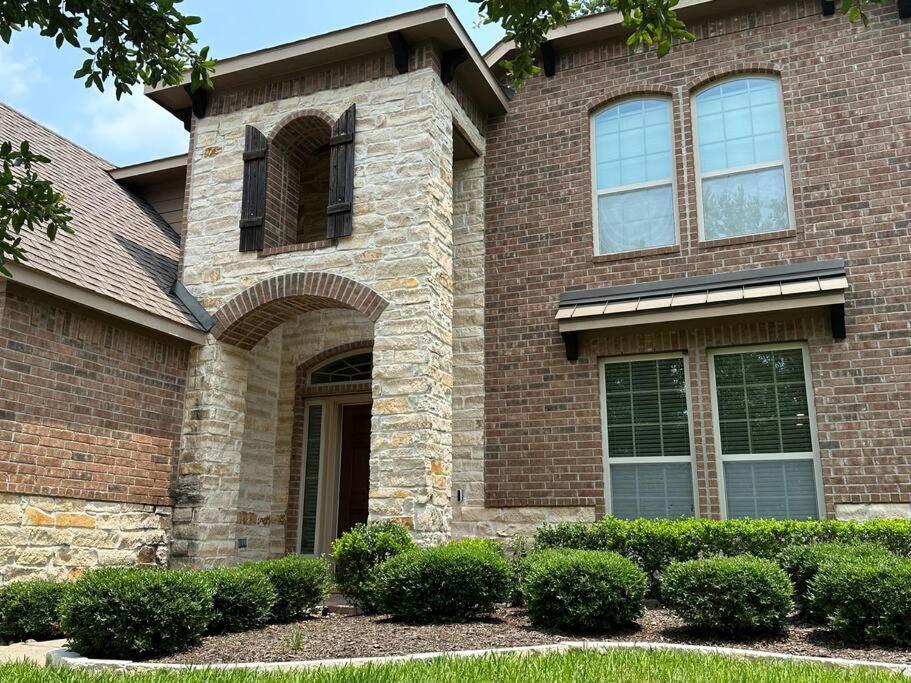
(743, 180)
(765, 432)
(633, 176)
(647, 443)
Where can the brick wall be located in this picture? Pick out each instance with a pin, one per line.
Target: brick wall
(848, 119)
(90, 408)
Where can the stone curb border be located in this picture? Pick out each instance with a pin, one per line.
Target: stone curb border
(62, 657)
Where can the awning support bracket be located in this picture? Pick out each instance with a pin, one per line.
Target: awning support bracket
(837, 316)
(571, 342)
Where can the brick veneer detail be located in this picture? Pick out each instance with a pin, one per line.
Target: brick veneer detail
(848, 125)
(90, 408)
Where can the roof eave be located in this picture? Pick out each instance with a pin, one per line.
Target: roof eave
(41, 281)
(437, 22)
(603, 26)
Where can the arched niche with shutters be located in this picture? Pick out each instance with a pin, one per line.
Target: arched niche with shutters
(299, 183)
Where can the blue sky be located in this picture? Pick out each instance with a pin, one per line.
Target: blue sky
(37, 78)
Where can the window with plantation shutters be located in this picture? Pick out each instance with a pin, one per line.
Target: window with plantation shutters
(648, 456)
(765, 432)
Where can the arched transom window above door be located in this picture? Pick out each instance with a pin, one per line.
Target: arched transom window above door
(356, 367)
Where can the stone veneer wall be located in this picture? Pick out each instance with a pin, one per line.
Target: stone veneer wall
(58, 538)
(401, 248)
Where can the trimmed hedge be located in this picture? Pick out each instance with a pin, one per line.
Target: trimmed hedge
(300, 583)
(654, 543)
(802, 563)
(30, 609)
(866, 600)
(453, 582)
(127, 613)
(582, 590)
(729, 594)
(242, 599)
(358, 551)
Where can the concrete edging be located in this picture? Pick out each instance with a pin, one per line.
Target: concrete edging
(65, 658)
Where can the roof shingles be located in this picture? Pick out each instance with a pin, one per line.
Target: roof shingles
(121, 247)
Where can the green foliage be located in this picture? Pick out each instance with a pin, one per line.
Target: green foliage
(127, 43)
(300, 583)
(654, 543)
(526, 23)
(803, 562)
(358, 551)
(582, 590)
(242, 599)
(729, 594)
(26, 201)
(30, 609)
(866, 599)
(126, 613)
(616, 666)
(453, 582)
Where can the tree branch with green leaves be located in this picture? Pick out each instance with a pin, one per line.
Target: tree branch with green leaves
(126, 43)
(651, 23)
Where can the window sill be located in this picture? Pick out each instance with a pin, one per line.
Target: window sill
(746, 239)
(303, 246)
(638, 253)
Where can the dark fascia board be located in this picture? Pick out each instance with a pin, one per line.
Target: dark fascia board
(683, 285)
(206, 321)
(437, 23)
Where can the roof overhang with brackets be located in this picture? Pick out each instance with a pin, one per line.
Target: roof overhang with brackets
(436, 23)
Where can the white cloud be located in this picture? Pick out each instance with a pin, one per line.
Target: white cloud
(132, 129)
(18, 75)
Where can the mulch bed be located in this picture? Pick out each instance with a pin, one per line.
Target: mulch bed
(340, 636)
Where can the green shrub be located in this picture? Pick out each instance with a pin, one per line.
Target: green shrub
(242, 598)
(802, 563)
(729, 594)
(866, 600)
(453, 582)
(125, 613)
(358, 551)
(654, 543)
(300, 583)
(30, 609)
(582, 590)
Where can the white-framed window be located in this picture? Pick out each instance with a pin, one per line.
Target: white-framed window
(633, 176)
(647, 440)
(743, 178)
(765, 432)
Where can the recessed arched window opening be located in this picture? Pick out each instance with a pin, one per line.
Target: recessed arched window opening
(742, 170)
(353, 367)
(633, 175)
(298, 188)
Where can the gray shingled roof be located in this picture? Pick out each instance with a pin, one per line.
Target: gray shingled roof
(121, 247)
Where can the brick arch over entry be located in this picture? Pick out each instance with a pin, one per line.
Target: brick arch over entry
(256, 311)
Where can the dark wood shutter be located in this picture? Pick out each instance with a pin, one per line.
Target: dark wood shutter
(341, 176)
(253, 203)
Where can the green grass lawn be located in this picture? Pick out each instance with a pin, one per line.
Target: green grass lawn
(620, 666)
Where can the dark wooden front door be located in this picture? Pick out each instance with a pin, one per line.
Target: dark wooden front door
(354, 474)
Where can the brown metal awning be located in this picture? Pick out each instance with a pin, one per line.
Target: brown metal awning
(760, 290)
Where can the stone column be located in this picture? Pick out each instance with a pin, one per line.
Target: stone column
(206, 489)
(411, 442)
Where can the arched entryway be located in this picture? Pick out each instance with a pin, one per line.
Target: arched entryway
(330, 465)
